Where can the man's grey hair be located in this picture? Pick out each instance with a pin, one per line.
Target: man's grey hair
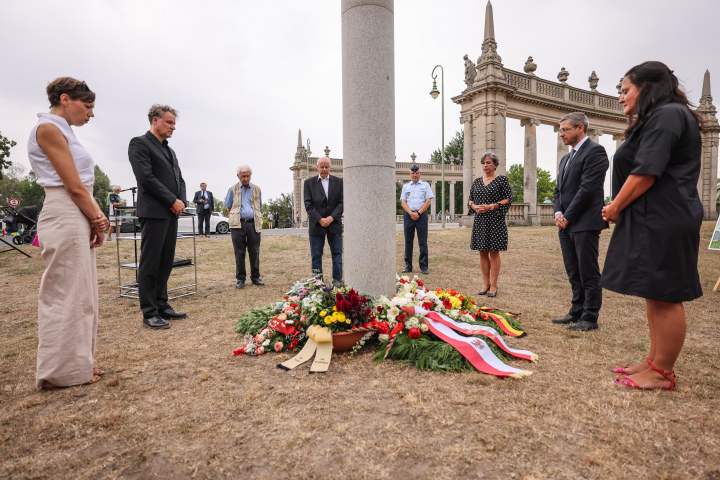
(244, 168)
(158, 110)
(577, 118)
(492, 156)
(116, 188)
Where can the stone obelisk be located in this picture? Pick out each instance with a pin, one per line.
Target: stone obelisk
(368, 82)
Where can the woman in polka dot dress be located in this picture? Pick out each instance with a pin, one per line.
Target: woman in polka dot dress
(490, 199)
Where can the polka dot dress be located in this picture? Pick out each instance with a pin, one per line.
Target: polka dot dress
(489, 230)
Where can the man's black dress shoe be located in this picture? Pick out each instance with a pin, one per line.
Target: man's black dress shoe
(583, 326)
(257, 281)
(156, 323)
(407, 270)
(171, 314)
(566, 319)
(240, 284)
(425, 271)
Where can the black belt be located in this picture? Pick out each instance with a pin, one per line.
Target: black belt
(247, 220)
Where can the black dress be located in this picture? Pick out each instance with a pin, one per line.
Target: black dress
(653, 251)
(489, 229)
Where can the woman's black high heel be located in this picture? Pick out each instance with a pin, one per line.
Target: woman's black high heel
(492, 295)
(485, 292)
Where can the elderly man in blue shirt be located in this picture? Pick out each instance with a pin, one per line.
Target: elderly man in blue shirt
(244, 201)
(415, 198)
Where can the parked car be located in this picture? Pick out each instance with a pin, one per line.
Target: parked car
(218, 223)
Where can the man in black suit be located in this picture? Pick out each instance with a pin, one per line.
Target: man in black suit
(205, 208)
(578, 207)
(324, 206)
(161, 198)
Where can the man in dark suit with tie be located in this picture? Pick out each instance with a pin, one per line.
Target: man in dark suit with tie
(161, 198)
(578, 207)
(205, 208)
(324, 206)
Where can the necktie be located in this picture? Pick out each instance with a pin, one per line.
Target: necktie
(569, 162)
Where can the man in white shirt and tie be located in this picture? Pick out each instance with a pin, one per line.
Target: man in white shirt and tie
(579, 198)
(205, 207)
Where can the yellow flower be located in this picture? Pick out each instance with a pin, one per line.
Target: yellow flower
(334, 309)
(328, 320)
(456, 303)
(323, 313)
(340, 316)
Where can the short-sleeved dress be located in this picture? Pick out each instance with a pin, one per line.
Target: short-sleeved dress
(489, 230)
(653, 251)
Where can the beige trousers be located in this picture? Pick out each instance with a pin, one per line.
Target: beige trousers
(68, 300)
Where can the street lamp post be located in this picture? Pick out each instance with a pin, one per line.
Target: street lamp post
(434, 94)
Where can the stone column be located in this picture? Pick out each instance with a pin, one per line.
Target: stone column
(368, 85)
(489, 132)
(467, 160)
(562, 150)
(452, 199)
(707, 182)
(594, 134)
(433, 202)
(619, 139)
(530, 180)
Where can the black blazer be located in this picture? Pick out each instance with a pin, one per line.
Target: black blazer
(579, 193)
(158, 177)
(210, 201)
(318, 206)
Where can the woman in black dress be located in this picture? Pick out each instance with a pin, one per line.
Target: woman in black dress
(490, 199)
(653, 251)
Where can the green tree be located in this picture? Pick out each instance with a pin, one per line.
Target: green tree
(101, 188)
(284, 205)
(5, 145)
(9, 183)
(398, 191)
(516, 177)
(220, 208)
(454, 147)
(29, 192)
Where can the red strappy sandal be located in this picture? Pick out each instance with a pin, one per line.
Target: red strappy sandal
(669, 376)
(622, 371)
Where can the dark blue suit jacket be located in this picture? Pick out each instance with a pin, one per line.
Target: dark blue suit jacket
(210, 201)
(318, 206)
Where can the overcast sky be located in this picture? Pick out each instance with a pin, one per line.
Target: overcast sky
(246, 75)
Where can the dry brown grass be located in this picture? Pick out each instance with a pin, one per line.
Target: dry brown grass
(177, 404)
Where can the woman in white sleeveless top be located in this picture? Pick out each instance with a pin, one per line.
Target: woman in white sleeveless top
(71, 224)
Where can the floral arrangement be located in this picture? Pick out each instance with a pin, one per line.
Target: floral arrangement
(282, 326)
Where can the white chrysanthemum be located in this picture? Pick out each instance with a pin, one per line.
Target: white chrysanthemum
(399, 302)
(452, 313)
(432, 296)
(412, 323)
(383, 337)
(410, 296)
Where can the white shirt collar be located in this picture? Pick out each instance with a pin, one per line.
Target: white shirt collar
(579, 144)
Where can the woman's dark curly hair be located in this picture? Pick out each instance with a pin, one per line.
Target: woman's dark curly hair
(75, 89)
(658, 85)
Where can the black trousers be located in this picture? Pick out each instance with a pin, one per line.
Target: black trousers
(246, 238)
(410, 226)
(580, 254)
(157, 254)
(203, 220)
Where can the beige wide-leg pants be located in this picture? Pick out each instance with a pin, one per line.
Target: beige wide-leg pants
(68, 300)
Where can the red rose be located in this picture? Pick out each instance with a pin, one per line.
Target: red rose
(414, 333)
(286, 297)
(428, 305)
(297, 311)
(294, 305)
(420, 284)
(402, 317)
(461, 298)
(383, 328)
(379, 308)
(239, 351)
(485, 316)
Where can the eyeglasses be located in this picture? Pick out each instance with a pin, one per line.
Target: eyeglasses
(563, 130)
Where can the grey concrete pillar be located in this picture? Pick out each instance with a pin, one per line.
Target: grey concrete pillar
(562, 150)
(594, 134)
(368, 84)
(452, 199)
(433, 203)
(530, 180)
(467, 161)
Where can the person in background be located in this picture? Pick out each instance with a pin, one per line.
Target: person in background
(161, 198)
(324, 206)
(113, 215)
(244, 200)
(415, 199)
(276, 219)
(270, 219)
(547, 200)
(70, 227)
(205, 208)
(653, 252)
(490, 199)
